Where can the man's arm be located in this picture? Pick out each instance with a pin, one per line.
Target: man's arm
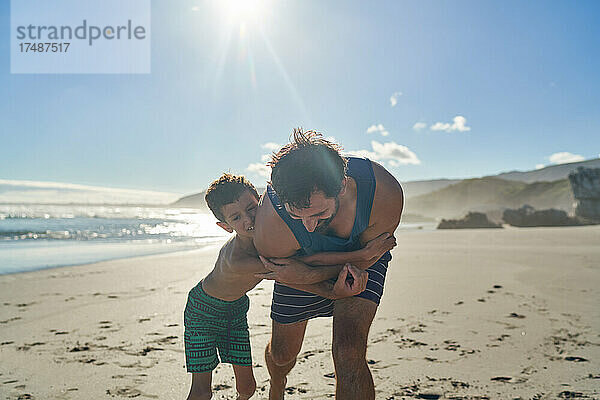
(272, 236)
(350, 282)
(371, 252)
(343, 287)
(387, 208)
(288, 270)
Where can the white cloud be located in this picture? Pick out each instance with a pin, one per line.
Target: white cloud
(259, 169)
(458, 124)
(419, 125)
(365, 153)
(271, 146)
(265, 158)
(565, 157)
(539, 166)
(377, 128)
(195, 8)
(391, 152)
(394, 98)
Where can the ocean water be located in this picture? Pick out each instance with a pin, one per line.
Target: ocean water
(46, 236)
(38, 236)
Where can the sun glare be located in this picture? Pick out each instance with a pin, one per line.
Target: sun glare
(243, 10)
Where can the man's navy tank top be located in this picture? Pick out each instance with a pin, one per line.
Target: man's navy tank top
(361, 170)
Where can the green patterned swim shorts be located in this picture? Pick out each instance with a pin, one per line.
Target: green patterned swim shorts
(212, 324)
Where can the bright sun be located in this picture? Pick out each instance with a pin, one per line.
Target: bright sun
(243, 10)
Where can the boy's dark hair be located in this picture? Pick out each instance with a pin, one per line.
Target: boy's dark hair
(307, 164)
(226, 190)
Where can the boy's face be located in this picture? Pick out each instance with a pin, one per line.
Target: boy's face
(240, 215)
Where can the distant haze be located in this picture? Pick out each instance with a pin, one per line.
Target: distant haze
(30, 192)
(547, 174)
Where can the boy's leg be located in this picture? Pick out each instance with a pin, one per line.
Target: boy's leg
(245, 383)
(280, 354)
(201, 386)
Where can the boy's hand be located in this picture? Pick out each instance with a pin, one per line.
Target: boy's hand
(350, 282)
(286, 270)
(375, 248)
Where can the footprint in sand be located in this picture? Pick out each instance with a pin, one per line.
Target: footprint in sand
(27, 346)
(293, 389)
(164, 340)
(576, 359)
(128, 392)
(21, 305)
(567, 394)
(9, 320)
(505, 379)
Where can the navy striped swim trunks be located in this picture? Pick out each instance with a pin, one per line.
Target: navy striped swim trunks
(291, 305)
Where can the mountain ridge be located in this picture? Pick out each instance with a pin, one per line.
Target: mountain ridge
(546, 187)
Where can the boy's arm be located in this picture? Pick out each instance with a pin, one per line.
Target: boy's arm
(371, 252)
(327, 264)
(350, 281)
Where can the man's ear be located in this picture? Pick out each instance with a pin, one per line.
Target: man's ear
(225, 226)
(343, 189)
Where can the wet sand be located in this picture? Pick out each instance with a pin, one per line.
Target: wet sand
(467, 314)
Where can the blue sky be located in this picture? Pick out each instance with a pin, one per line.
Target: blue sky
(461, 88)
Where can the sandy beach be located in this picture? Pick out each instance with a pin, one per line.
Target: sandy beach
(470, 314)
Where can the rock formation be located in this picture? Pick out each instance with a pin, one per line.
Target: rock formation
(585, 183)
(528, 216)
(471, 220)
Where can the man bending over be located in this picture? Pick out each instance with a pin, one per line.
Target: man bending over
(320, 202)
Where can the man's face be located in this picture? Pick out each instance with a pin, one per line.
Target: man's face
(320, 213)
(240, 215)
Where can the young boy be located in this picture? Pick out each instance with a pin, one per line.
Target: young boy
(215, 314)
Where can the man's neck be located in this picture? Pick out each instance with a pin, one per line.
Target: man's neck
(347, 207)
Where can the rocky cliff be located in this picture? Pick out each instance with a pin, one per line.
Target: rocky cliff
(585, 183)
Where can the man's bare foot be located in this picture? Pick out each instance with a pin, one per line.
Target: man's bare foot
(277, 389)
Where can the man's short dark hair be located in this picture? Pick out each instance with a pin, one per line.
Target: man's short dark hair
(226, 190)
(307, 164)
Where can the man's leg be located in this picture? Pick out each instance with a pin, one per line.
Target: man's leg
(352, 318)
(280, 354)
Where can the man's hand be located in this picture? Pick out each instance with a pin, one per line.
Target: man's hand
(375, 248)
(286, 270)
(350, 282)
